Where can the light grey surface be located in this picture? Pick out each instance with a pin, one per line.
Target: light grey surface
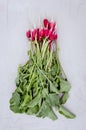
(16, 16)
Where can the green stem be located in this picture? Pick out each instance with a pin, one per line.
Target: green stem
(53, 88)
(31, 78)
(49, 60)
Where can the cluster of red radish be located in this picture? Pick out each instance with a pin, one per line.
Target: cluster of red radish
(48, 31)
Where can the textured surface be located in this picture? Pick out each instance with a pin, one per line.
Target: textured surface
(15, 17)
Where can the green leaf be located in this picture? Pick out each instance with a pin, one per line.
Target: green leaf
(53, 88)
(46, 111)
(36, 90)
(53, 99)
(15, 100)
(64, 86)
(33, 110)
(54, 70)
(35, 101)
(17, 81)
(64, 98)
(15, 109)
(26, 100)
(66, 112)
(45, 92)
(31, 80)
(19, 90)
